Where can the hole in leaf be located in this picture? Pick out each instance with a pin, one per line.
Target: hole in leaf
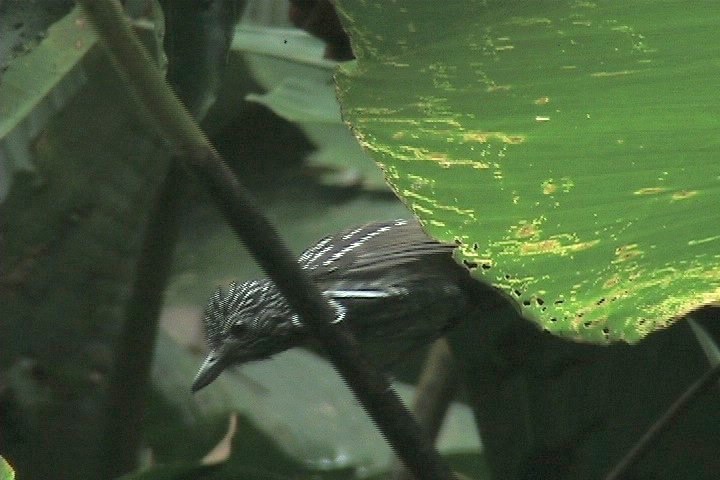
(470, 265)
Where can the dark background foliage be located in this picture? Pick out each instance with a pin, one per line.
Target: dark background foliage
(72, 234)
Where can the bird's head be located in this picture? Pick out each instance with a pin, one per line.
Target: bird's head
(251, 321)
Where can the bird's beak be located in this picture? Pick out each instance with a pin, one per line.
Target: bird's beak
(209, 371)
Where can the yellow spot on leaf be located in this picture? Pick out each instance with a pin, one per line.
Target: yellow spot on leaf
(480, 137)
(692, 243)
(528, 21)
(627, 252)
(438, 157)
(611, 282)
(542, 101)
(526, 231)
(484, 137)
(614, 74)
(554, 246)
(649, 191)
(514, 139)
(549, 188)
(684, 194)
(546, 246)
(580, 246)
(419, 209)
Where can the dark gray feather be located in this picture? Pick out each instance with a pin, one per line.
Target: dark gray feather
(371, 248)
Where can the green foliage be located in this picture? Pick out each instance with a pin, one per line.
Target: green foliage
(251, 448)
(471, 464)
(86, 173)
(253, 453)
(35, 88)
(6, 471)
(571, 147)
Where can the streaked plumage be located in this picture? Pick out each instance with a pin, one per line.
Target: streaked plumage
(393, 286)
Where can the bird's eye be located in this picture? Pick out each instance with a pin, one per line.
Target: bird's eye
(239, 329)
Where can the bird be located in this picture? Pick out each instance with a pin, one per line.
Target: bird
(394, 287)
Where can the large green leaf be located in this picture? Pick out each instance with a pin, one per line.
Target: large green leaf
(571, 146)
(6, 471)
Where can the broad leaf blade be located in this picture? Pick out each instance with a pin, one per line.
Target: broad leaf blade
(6, 471)
(571, 147)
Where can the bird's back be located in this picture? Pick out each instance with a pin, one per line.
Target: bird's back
(397, 287)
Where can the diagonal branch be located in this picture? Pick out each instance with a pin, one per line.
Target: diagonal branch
(241, 211)
(677, 408)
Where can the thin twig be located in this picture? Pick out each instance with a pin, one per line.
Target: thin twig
(245, 217)
(678, 407)
(436, 388)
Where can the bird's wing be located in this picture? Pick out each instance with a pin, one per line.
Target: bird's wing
(371, 248)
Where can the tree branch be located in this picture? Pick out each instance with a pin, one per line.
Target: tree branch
(677, 408)
(435, 391)
(127, 386)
